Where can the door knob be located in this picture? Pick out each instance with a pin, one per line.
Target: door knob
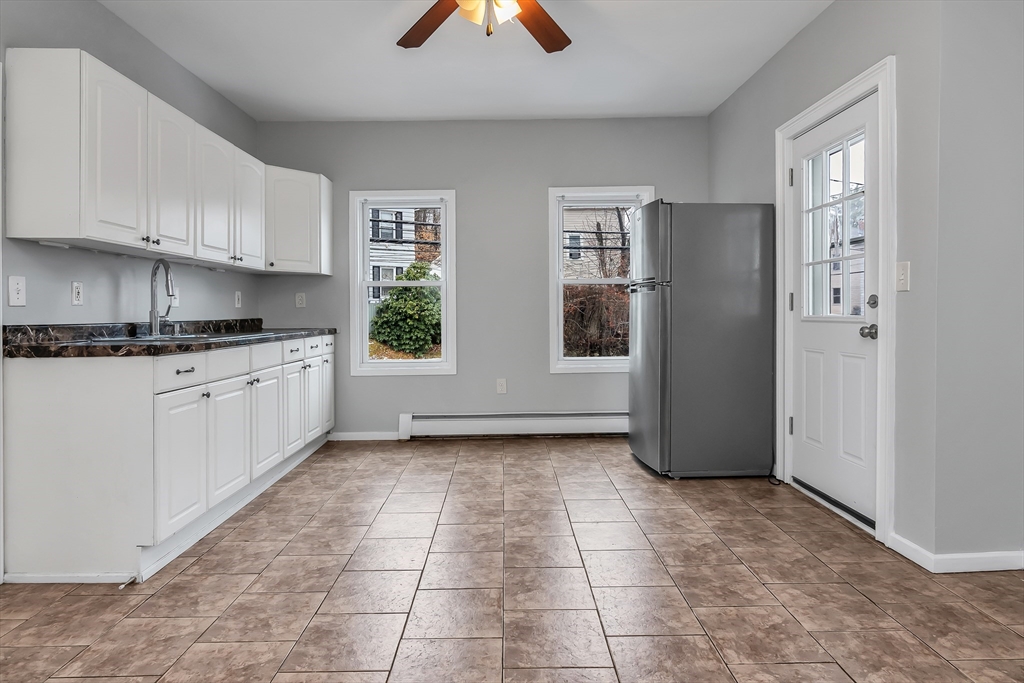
(869, 331)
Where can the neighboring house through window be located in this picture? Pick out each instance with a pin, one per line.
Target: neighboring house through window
(590, 258)
(407, 240)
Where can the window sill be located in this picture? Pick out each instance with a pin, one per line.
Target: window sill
(412, 369)
(568, 367)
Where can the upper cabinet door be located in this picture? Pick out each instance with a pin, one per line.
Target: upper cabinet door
(172, 139)
(249, 210)
(215, 183)
(293, 221)
(114, 155)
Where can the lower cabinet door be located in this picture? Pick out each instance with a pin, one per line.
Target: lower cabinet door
(267, 420)
(294, 408)
(314, 398)
(180, 459)
(227, 438)
(328, 401)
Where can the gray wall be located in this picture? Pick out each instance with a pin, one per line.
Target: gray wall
(847, 38)
(116, 289)
(980, 340)
(501, 171)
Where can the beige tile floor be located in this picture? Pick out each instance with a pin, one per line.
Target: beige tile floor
(523, 561)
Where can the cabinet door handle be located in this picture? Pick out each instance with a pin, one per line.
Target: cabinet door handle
(185, 372)
(257, 380)
(205, 394)
(240, 258)
(146, 238)
(250, 382)
(156, 241)
(326, 361)
(271, 264)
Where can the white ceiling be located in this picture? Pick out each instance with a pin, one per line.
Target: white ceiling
(331, 60)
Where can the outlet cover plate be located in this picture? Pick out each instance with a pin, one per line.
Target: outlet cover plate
(77, 294)
(300, 300)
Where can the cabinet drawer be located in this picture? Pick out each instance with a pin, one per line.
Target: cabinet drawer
(314, 346)
(224, 363)
(294, 349)
(265, 356)
(178, 370)
(328, 344)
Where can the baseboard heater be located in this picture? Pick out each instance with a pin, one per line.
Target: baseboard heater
(510, 424)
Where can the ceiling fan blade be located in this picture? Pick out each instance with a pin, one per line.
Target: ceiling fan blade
(428, 23)
(542, 27)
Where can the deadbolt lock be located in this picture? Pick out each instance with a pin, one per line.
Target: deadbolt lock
(873, 301)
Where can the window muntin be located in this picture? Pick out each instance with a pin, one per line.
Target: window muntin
(405, 239)
(833, 233)
(591, 239)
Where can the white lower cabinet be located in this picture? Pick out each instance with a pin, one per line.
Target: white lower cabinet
(227, 438)
(294, 414)
(180, 459)
(314, 389)
(328, 393)
(267, 419)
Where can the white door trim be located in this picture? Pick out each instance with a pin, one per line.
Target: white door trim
(880, 78)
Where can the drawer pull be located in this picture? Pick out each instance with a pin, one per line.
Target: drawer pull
(314, 346)
(205, 394)
(185, 372)
(294, 350)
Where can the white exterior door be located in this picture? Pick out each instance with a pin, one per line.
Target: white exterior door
(314, 397)
(267, 420)
(227, 438)
(835, 357)
(293, 220)
(116, 141)
(249, 210)
(294, 404)
(180, 472)
(328, 400)
(215, 183)
(171, 179)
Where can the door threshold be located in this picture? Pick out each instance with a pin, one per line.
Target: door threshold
(860, 517)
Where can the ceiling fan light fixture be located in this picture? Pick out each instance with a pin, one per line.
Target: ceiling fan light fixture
(493, 11)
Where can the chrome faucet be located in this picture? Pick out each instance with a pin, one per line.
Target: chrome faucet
(154, 314)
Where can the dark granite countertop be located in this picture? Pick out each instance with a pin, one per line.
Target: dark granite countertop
(134, 339)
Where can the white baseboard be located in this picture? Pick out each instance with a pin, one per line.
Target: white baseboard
(947, 563)
(362, 436)
(13, 577)
(503, 424)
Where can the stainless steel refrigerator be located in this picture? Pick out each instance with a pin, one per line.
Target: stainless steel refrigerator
(702, 336)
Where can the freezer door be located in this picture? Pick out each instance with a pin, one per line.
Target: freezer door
(649, 400)
(652, 243)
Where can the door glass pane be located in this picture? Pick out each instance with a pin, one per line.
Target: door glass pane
(815, 237)
(402, 237)
(814, 176)
(855, 225)
(595, 241)
(856, 293)
(835, 174)
(835, 231)
(404, 323)
(814, 289)
(835, 288)
(595, 321)
(856, 166)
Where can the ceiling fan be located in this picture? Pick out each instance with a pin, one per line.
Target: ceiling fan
(538, 22)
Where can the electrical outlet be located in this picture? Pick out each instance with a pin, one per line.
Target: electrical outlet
(502, 386)
(176, 299)
(77, 295)
(903, 276)
(300, 300)
(238, 299)
(16, 290)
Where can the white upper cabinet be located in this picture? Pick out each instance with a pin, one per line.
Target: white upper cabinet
(77, 143)
(215, 196)
(249, 240)
(299, 221)
(172, 142)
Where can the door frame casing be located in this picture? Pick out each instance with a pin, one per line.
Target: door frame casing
(881, 79)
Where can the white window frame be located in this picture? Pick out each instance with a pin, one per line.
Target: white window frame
(361, 279)
(559, 197)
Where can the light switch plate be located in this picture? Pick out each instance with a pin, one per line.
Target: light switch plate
(903, 276)
(176, 299)
(16, 290)
(77, 294)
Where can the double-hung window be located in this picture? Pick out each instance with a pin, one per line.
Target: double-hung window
(591, 231)
(402, 247)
